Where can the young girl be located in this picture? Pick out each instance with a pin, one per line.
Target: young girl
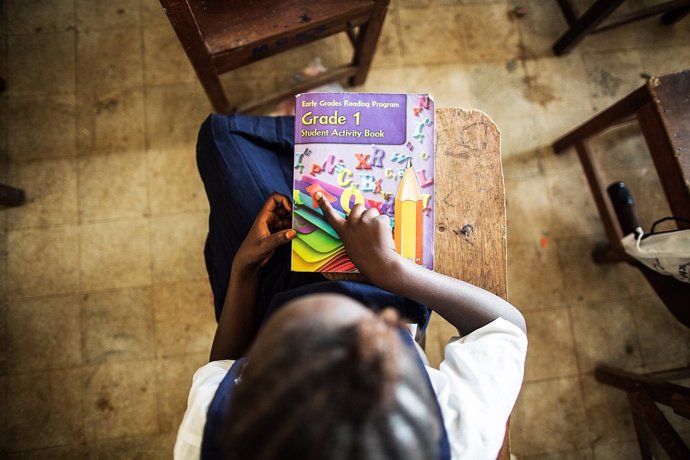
(305, 368)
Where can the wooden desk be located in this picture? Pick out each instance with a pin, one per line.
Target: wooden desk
(470, 240)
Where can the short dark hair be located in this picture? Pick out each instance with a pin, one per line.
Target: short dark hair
(352, 392)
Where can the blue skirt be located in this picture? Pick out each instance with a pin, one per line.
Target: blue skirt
(242, 160)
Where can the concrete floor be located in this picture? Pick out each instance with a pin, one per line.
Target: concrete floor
(106, 310)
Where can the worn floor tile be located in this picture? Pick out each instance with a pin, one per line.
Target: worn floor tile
(122, 247)
(420, 47)
(51, 187)
(43, 333)
(574, 212)
(535, 278)
(177, 244)
(110, 121)
(120, 400)
(612, 75)
(662, 337)
(605, 334)
(500, 90)
(41, 64)
(174, 182)
(117, 326)
(139, 447)
(43, 261)
(38, 16)
(164, 58)
(629, 450)
(552, 349)
(25, 141)
(552, 126)
(184, 317)
(558, 84)
(385, 80)
(576, 454)
(388, 48)
(438, 334)
(112, 186)
(101, 15)
(608, 413)
(169, 128)
(122, 69)
(549, 416)
(174, 381)
(528, 209)
(447, 83)
(4, 339)
(489, 33)
(519, 138)
(663, 60)
(50, 453)
(586, 281)
(152, 13)
(44, 409)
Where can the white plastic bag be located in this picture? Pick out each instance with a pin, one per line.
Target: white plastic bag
(667, 253)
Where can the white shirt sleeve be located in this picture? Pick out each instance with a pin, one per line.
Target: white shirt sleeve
(477, 385)
(204, 385)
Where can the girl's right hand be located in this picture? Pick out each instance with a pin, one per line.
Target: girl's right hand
(366, 235)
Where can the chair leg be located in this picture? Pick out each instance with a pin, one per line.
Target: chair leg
(214, 90)
(645, 410)
(600, 10)
(673, 16)
(366, 43)
(11, 196)
(596, 184)
(666, 162)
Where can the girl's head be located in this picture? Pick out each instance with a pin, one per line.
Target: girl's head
(329, 379)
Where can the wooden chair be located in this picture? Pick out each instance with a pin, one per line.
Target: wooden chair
(589, 23)
(662, 108)
(221, 35)
(644, 391)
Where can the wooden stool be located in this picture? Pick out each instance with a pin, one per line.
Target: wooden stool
(662, 108)
(588, 23)
(221, 35)
(644, 390)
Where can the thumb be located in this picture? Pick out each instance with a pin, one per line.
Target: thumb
(331, 216)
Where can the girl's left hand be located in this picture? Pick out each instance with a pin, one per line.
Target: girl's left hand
(270, 230)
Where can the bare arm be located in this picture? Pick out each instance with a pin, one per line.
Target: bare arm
(270, 230)
(368, 242)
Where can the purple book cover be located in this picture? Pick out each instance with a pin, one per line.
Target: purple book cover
(368, 148)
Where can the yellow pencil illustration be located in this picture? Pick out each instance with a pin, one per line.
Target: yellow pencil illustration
(408, 217)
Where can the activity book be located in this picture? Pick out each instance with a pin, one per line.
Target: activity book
(367, 148)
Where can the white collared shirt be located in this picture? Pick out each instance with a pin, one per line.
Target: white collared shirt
(476, 384)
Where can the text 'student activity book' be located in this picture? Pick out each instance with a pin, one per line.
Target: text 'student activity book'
(367, 148)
